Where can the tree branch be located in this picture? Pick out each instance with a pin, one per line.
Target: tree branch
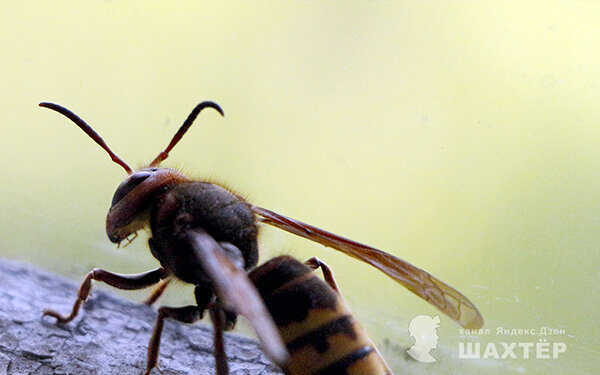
(109, 337)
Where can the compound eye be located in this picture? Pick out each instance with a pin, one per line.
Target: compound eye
(129, 184)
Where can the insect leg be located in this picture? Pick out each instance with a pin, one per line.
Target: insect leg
(222, 320)
(315, 263)
(120, 281)
(157, 292)
(218, 318)
(185, 314)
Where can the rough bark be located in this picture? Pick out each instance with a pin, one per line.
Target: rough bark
(110, 336)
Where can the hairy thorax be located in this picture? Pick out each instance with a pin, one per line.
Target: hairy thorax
(224, 215)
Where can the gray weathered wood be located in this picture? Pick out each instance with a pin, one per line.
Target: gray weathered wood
(110, 336)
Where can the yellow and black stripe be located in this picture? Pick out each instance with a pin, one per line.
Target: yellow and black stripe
(320, 333)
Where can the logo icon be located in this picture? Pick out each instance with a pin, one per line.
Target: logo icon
(423, 328)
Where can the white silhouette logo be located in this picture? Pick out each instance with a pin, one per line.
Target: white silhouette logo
(423, 329)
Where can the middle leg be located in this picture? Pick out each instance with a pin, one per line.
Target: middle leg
(185, 314)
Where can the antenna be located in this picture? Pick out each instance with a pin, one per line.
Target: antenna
(88, 130)
(184, 128)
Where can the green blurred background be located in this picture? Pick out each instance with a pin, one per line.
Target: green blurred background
(462, 137)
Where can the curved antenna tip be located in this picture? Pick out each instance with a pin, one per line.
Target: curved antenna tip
(47, 105)
(184, 128)
(88, 130)
(212, 105)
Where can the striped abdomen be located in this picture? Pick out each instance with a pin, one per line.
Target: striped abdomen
(319, 331)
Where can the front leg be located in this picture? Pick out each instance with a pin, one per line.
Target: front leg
(119, 281)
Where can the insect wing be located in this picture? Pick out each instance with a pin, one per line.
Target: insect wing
(447, 299)
(237, 292)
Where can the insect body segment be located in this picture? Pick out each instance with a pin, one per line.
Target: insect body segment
(202, 234)
(133, 199)
(224, 215)
(206, 235)
(319, 331)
